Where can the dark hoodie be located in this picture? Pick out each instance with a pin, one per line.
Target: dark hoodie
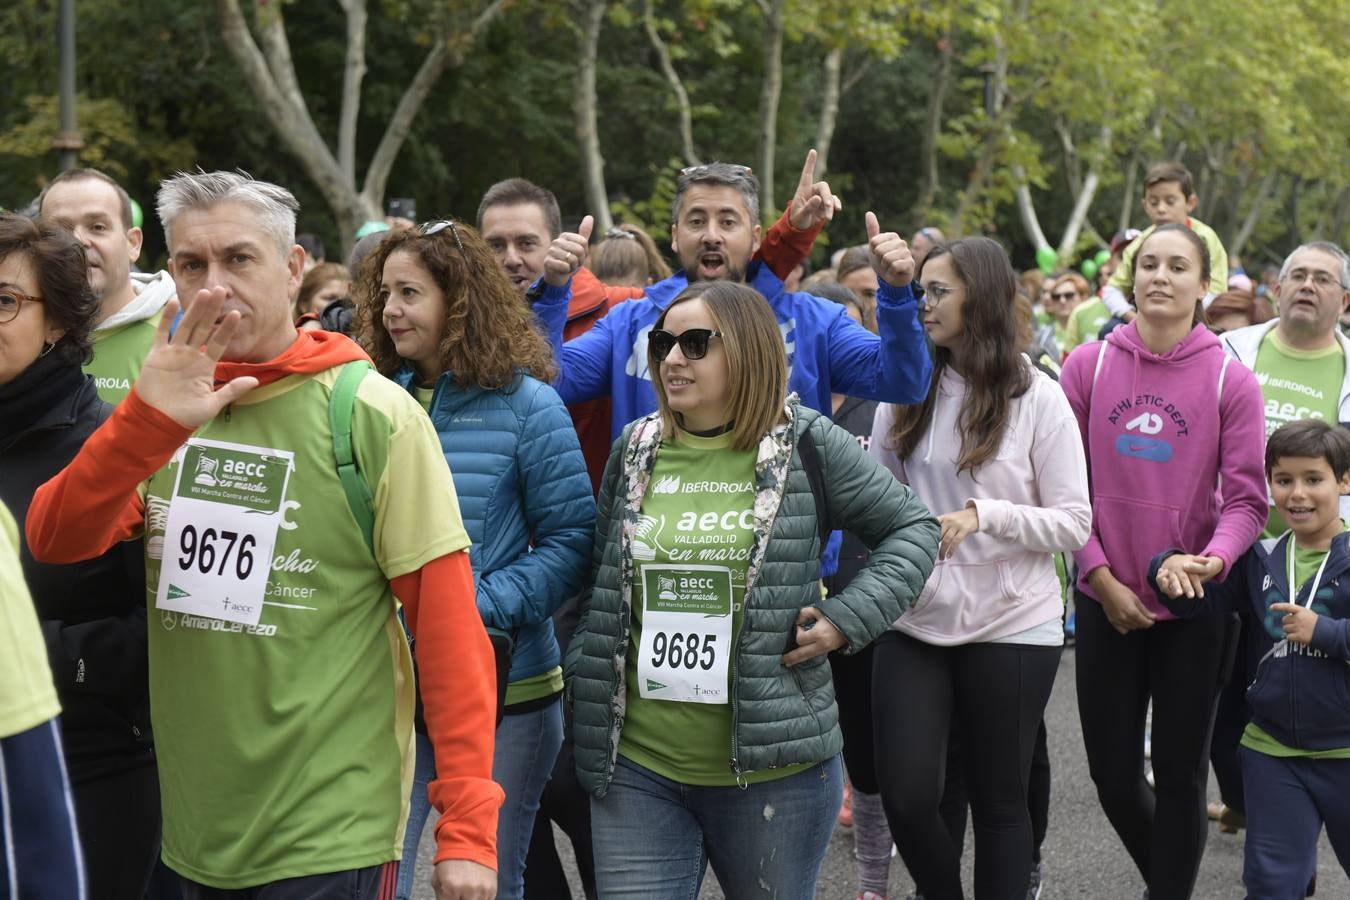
(1300, 695)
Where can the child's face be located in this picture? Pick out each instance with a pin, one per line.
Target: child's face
(1307, 493)
(1164, 202)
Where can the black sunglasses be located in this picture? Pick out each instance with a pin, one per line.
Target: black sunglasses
(430, 228)
(693, 343)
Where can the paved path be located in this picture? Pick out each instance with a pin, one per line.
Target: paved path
(1083, 859)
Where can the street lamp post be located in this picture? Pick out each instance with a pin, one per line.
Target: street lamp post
(67, 141)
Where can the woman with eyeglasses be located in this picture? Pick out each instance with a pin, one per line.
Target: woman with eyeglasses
(994, 449)
(93, 612)
(704, 713)
(1067, 293)
(437, 315)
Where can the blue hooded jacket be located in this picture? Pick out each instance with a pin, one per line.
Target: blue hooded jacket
(827, 351)
(521, 481)
(1300, 695)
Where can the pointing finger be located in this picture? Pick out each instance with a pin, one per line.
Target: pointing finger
(808, 171)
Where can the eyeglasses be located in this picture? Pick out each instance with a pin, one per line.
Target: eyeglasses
(696, 171)
(1064, 295)
(929, 297)
(1322, 280)
(11, 301)
(693, 343)
(430, 228)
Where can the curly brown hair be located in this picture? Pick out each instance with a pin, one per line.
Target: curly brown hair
(59, 262)
(490, 334)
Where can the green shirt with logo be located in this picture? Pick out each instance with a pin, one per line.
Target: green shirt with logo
(1297, 384)
(118, 355)
(699, 511)
(285, 746)
(1084, 324)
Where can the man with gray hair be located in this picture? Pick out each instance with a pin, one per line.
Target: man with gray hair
(715, 234)
(1300, 358)
(98, 210)
(285, 501)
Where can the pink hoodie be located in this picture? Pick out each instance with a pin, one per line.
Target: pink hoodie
(1032, 501)
(1161, 439)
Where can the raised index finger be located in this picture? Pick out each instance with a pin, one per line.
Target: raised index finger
(808, 171)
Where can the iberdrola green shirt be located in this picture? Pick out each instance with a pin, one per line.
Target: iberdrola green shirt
(698, 511)
(118, 354)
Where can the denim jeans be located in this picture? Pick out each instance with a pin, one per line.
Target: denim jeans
(655, 837)
(527, 744)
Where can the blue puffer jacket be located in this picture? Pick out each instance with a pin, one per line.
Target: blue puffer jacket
(1299, 695)
(521, 481)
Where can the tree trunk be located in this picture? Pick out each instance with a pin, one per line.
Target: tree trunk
(584, 103)
(270, 74)
(353, 71)
(770, 89)
(1083, 203)
(937, 93)
(1127, 199)
(829, 109)
(676, 85)
(1341, 218)
(1026, 208)
(1238, 241)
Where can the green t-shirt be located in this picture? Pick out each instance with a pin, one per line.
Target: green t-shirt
(697, 518)
(1084, 323)
(118, 355)
(27, 695)
(1297, 384)
(285, 747)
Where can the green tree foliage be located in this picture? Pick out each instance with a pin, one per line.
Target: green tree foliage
(1248, 95)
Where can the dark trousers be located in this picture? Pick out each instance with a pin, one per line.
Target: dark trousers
(996, 695)
(1288, 800)
(118, 818)
(956, 801)
(1180, 665)
(371, 883)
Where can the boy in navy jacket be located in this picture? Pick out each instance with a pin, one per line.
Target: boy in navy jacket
(1295, 753)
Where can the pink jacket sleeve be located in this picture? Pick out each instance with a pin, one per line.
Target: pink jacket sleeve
(878, 448)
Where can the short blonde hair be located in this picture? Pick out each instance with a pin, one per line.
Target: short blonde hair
(757, 369)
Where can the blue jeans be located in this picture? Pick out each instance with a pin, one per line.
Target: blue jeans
(655, 837)
(526, 746)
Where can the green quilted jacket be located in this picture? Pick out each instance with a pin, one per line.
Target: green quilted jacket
(780, 715)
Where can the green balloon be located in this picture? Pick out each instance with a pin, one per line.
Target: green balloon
(1046, 259)
(1103, 257)
(1089, 269)
(137, 216)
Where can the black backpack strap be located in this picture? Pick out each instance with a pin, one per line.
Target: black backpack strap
(810, 457)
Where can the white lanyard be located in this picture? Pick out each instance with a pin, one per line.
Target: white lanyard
(1317, 579)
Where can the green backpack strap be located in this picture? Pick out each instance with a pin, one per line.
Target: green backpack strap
(340, 405)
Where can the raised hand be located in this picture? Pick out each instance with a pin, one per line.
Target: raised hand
(813, 204)
(567, 253)
(890, 254)
(178, 377)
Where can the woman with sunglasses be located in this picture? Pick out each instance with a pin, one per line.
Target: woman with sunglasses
(1067, 293)
(92, 612)
(994, 449)
(704, 714)
(438, 315)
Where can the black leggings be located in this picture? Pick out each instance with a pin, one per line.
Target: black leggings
(996, 695)
(956, 802)
(853, 695)
(1180, 665)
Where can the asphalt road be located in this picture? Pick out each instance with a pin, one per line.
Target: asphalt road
(1082, 857)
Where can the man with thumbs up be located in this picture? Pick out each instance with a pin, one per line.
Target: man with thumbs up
(715, 234)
